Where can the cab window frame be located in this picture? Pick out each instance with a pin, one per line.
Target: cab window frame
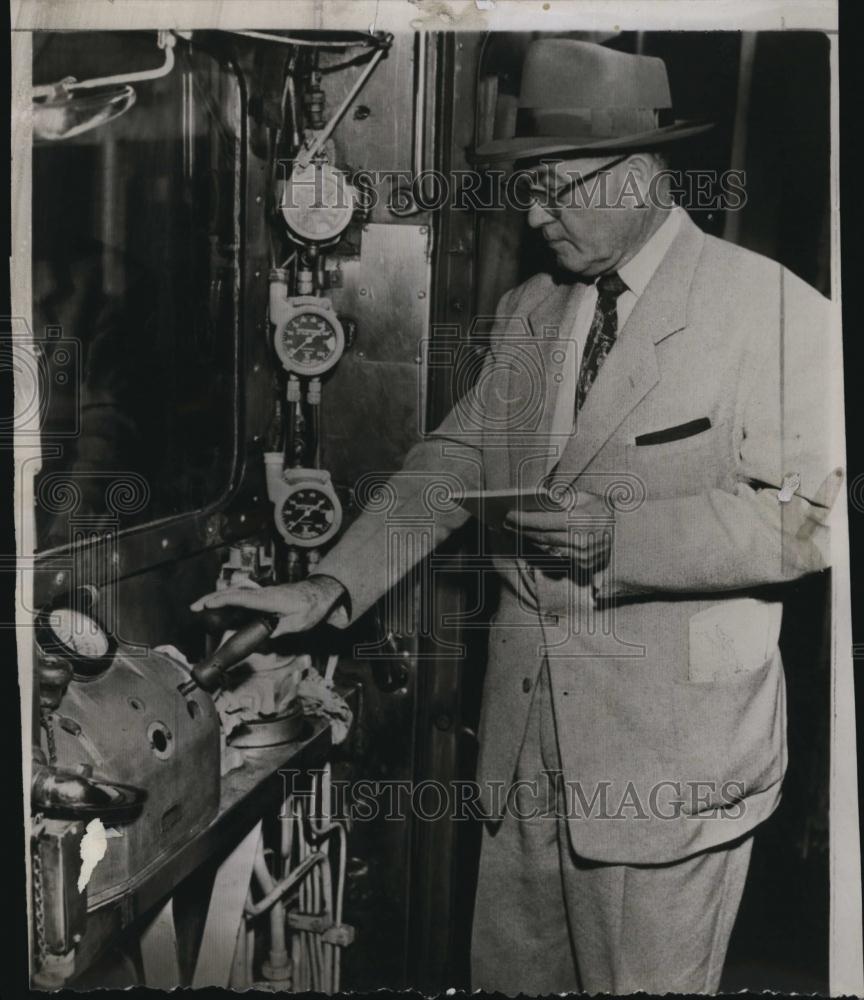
(137, 547)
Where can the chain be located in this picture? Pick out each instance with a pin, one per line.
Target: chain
(47, 720)
(39, 904)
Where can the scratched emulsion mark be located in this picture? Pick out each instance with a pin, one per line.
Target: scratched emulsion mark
(465, 16)
(94, 844)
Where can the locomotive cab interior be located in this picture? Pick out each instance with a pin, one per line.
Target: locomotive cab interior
(247, 296)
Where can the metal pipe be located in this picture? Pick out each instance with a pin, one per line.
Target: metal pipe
(286, 841)
(303, 903)
(188, 126)
(249, 969)
(265, 36)
(278, 953)
(165, 41)
(305, 156)
(112, 222)
(420, 105)
(738, 157)
(291, 92)
(240, 964)
(280, 888)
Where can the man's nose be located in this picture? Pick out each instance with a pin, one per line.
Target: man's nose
(538, 216)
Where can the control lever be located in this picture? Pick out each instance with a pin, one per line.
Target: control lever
(65, 793)
(210, 674)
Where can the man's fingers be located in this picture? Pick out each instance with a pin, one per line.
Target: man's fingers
(298, 606)
(587, 509)
(549, 537)
(237, 597)
(537, 520)
(577, 541)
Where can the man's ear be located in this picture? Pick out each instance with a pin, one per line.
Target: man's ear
(638, 170)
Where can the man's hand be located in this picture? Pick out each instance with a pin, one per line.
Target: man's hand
(300, 606)
(581, 534)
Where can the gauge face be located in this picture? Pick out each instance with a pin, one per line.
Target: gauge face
(309, 343)
(78, 634)
(317, 203)
(310, 515)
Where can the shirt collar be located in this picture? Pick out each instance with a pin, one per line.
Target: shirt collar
(638, 271)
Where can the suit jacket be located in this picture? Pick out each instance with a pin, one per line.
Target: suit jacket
(665, 672)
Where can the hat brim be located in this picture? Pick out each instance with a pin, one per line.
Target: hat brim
(530, 147)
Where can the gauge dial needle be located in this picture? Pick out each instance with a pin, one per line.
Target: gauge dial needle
(307, 510)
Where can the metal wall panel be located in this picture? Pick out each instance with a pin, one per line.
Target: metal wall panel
(374, 400)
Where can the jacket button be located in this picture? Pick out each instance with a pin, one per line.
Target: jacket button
(526, 684)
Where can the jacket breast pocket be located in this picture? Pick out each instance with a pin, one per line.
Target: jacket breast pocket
(683, 466)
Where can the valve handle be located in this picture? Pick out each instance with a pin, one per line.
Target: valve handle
(209, 675)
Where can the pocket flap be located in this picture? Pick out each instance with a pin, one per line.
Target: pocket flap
(676, 433)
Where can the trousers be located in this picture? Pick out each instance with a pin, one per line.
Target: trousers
(549, 921)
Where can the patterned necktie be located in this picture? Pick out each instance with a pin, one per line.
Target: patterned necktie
(601, 336)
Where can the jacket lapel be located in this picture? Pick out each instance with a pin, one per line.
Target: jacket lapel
(630, 371)
(537, 376)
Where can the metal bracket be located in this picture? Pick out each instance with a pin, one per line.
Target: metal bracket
(341, 935)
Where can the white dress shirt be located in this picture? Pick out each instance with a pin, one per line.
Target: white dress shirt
(636, 274)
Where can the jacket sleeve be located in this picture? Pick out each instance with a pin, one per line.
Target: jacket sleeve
(406, 516)
(790, 433)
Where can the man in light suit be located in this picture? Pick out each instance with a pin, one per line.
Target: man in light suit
(634, 689)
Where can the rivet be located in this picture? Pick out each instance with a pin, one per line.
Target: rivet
(165, 543)
(59, 578)
(421, 295)
(363, 291)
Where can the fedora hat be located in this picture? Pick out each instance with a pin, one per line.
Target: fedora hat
(580, 97)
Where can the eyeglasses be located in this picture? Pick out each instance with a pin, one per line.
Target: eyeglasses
(555, 199)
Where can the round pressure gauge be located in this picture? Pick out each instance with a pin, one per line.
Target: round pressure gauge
(309, 337)
(309, 513)
(317, 203)
(79, 634)
(67, 632)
